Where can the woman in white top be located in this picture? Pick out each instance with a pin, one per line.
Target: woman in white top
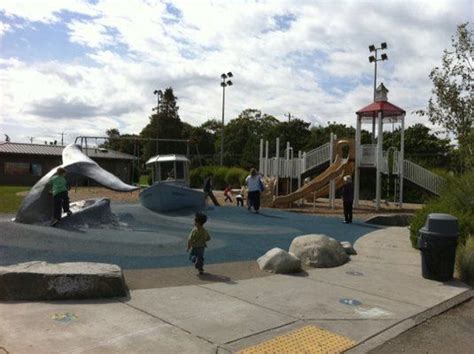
(254, 184)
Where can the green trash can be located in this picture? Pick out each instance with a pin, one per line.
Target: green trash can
(437, 242)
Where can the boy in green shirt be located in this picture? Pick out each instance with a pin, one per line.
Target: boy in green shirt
(197, 241)
(60, 195)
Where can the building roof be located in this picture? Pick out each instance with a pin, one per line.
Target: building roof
(387, 109)
(167, 158)
(55, 150)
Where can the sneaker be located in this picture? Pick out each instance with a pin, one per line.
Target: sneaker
(55, 222)
(69, 213)
(201, 271)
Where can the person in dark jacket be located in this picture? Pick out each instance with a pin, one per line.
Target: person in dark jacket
(208, 189)
(347, 199)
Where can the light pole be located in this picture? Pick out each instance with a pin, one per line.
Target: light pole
(224, 84)
(159, 96)
(374, 59)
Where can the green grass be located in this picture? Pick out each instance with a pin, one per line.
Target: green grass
(144, 180)
(9, 200)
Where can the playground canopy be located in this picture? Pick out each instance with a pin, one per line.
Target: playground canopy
(388, 110)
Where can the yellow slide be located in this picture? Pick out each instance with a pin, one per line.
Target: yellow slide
(320, 184)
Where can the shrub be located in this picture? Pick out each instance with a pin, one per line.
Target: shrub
(222, 176)
(236, 176)
(465, 261)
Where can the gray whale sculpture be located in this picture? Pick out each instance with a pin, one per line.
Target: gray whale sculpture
(37, 206)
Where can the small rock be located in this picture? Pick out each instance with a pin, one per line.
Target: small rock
(280, 261)
(319, 251)
(348, 248)
(46, 281)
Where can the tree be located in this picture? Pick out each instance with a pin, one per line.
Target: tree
(452, 104)
(421, 146)
(165, 124)
(126, 143)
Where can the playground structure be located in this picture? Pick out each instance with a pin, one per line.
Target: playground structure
(390, 162)
(321, 185)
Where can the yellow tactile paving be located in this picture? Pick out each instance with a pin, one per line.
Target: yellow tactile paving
(308, 339)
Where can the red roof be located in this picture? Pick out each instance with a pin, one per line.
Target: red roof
(387, 109)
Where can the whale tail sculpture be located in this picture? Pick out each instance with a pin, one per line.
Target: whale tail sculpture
(37, 206)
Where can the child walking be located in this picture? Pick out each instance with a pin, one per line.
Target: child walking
(197, 242)
(240, 197)
(60, 195)
(228, 194)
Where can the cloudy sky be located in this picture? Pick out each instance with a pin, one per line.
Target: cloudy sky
(81, 67)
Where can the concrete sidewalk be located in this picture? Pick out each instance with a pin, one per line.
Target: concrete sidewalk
(377, 294)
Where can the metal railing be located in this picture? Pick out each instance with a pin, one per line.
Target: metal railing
(284, 168)
(316, 157)
(423, 177)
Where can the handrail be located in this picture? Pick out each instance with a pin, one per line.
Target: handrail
(423, 177)
(317, 157)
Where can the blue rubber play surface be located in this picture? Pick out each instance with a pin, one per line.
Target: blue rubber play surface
(141, 238)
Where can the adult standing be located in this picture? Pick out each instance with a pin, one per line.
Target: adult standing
(255, 186)
(347, 198)
(208, 189)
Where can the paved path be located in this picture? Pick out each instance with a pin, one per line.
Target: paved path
(380, 289)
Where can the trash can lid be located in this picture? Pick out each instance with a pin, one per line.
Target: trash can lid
(442, 224)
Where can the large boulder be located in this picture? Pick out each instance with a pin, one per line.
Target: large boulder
(279, 261)
(319, 251)
(46, 281)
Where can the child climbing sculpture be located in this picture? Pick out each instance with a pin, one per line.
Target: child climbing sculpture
(59, 191)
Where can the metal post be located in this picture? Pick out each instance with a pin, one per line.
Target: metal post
(260, 159)
(287, 169)
(401, 161)
(222, 130)
(375, 88)
(358, 148)
(265, 172)
(378, 185)
(290, 165)
(331, 158)
(277, 164)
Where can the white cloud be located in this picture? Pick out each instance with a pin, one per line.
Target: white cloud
(317, 68)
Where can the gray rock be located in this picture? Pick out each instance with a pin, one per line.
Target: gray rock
(279, 261)
(348, 247)
(319, 251)
(46, 281)
(90, 212)
(390, 220)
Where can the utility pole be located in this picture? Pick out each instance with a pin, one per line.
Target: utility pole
(62, 138)
(289, 116)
